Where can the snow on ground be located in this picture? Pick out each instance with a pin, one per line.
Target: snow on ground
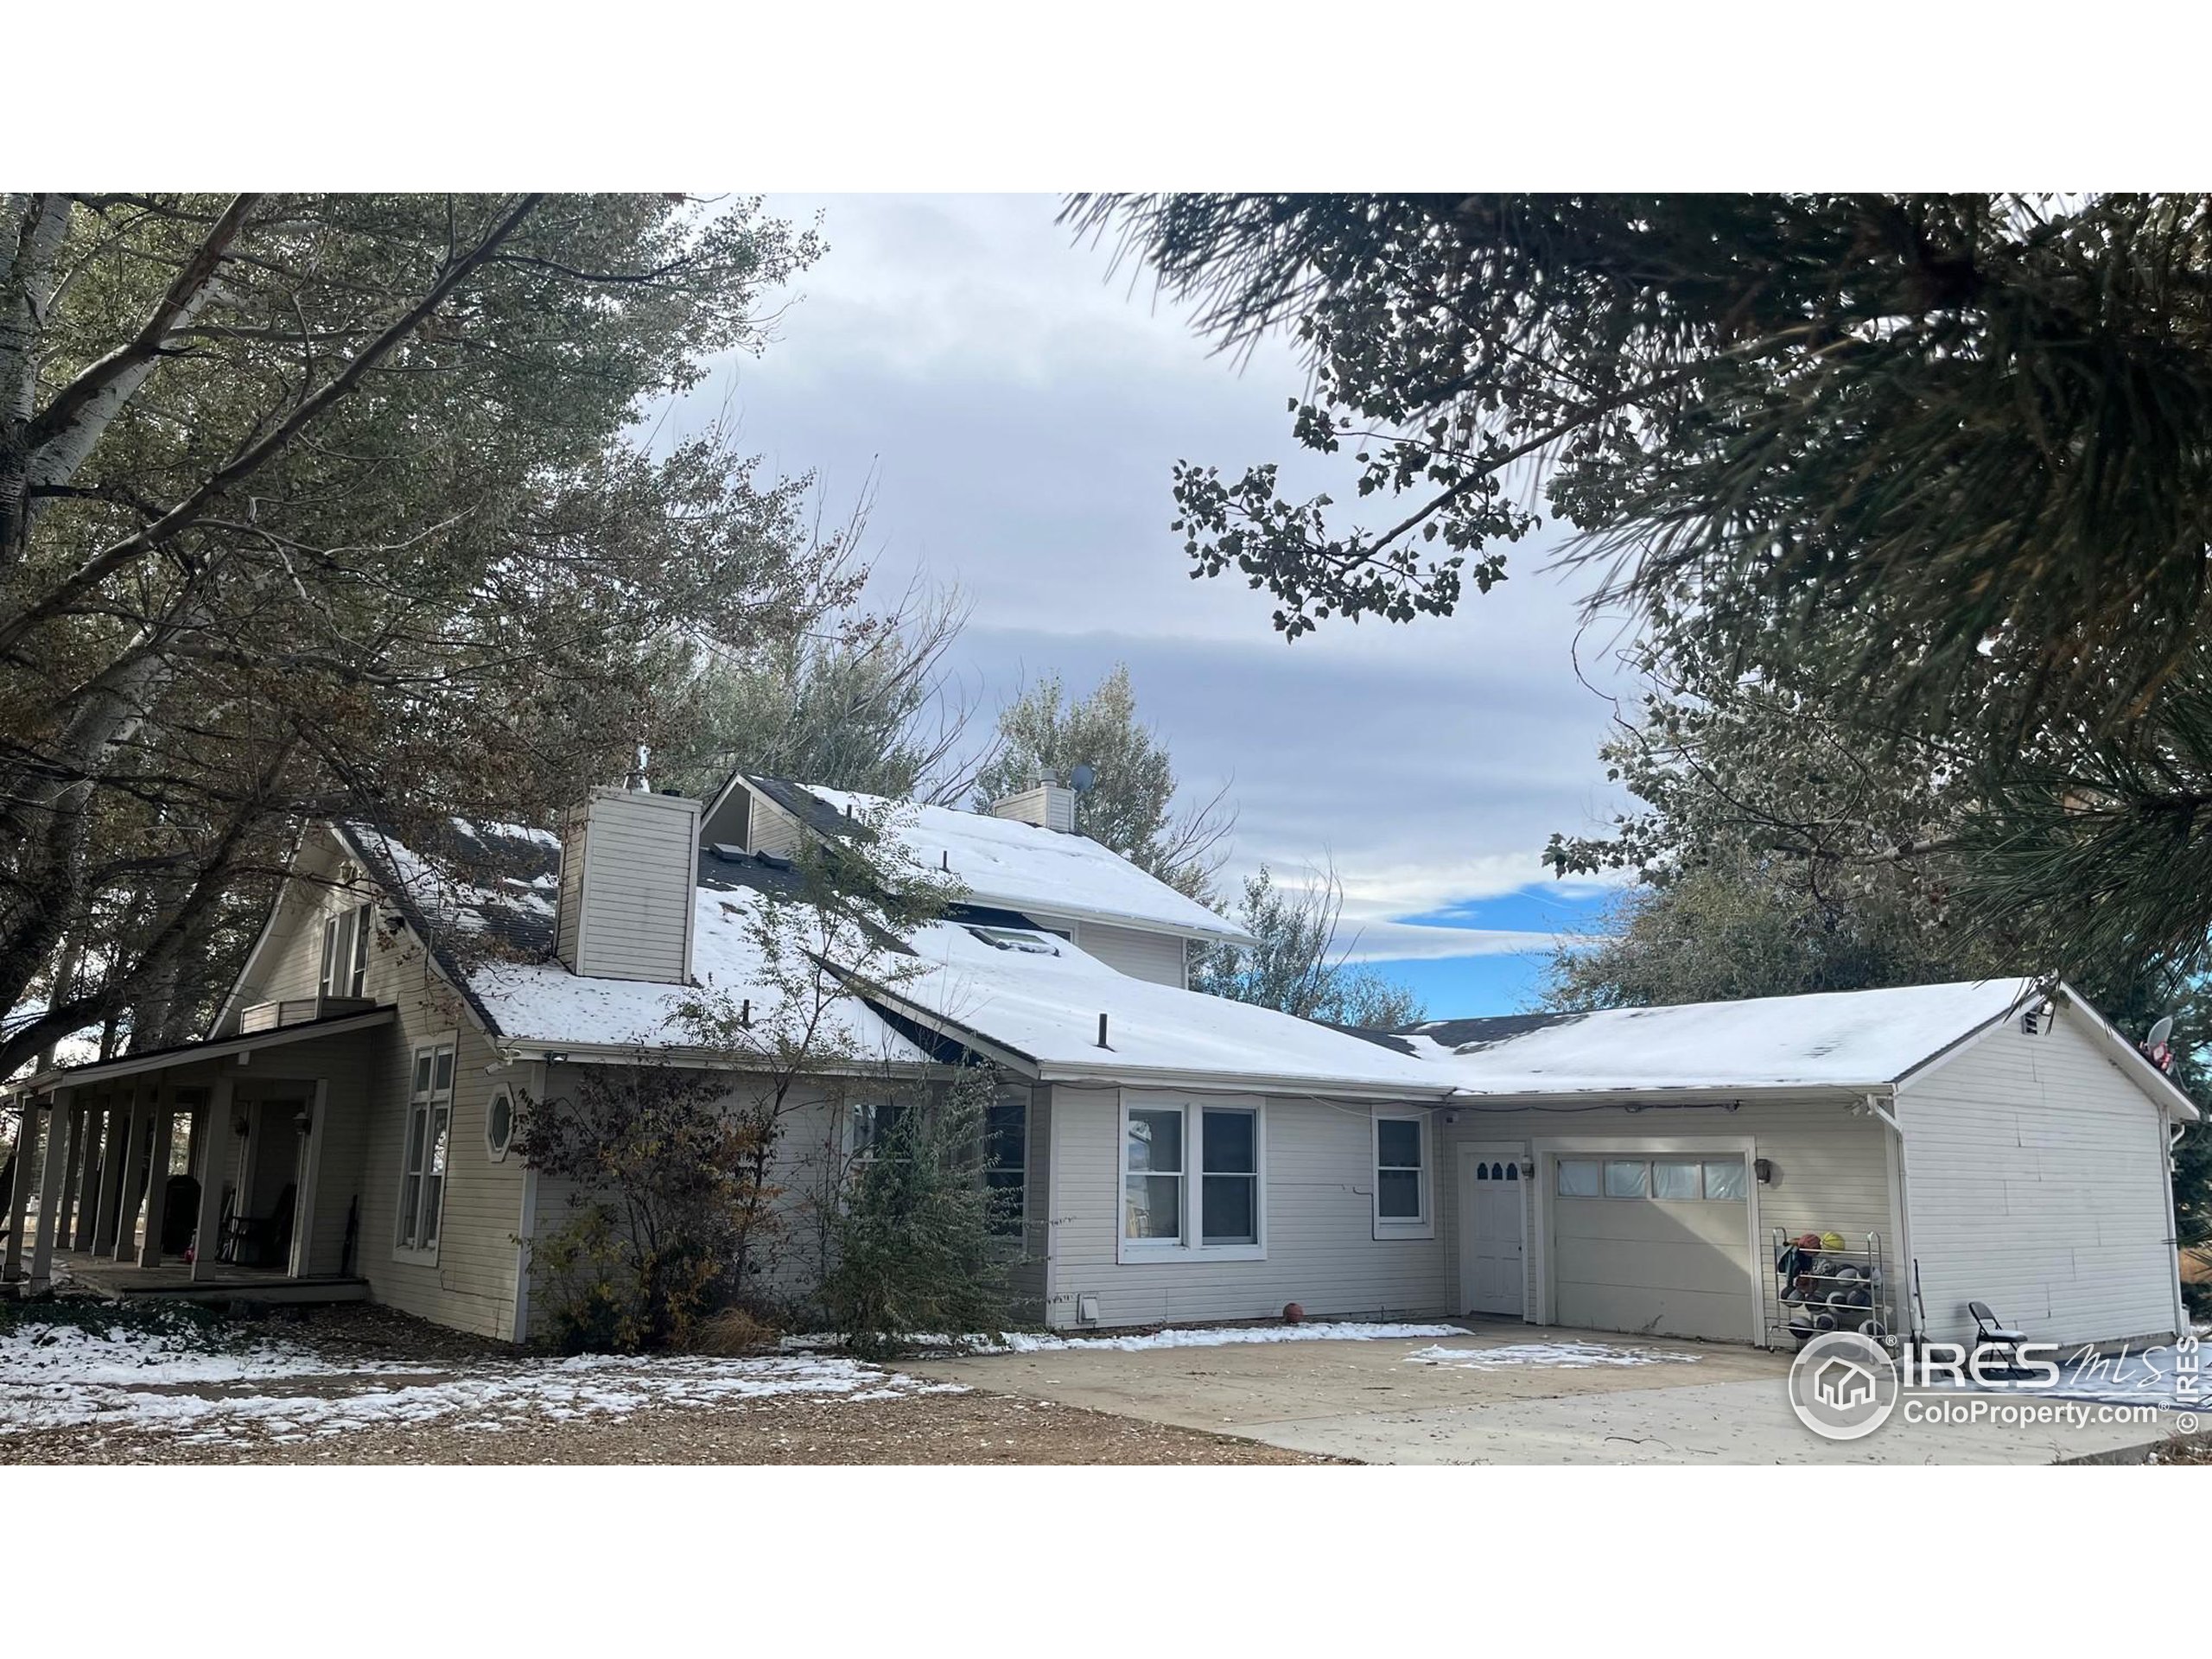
(173, 1377)
(1564, 1356)
(1021, 1342)
(2143, 1378)
(1216, 1336)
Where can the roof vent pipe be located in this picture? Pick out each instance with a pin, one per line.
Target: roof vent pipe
(1101, 1031)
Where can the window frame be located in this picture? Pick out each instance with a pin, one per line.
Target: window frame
(1398, 1227)
(496, 1153)
(345, 953)
(1189, 1244)
(1015, 1223)
(408, 1213)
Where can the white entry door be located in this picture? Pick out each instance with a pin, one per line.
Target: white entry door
(1492, 1204)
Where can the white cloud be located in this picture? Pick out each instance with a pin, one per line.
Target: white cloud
(1020, 414)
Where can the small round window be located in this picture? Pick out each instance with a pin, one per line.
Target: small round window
(499, 1124)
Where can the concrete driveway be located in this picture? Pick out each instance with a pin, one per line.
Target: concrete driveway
(1503, 1394)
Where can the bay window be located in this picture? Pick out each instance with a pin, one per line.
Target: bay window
(1190, 1181)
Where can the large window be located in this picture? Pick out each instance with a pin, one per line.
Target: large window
(346, 953)
(1401, 1186)
(422, 1168)
(1166, 1209)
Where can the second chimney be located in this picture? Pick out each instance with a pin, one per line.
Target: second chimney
(1049, 806)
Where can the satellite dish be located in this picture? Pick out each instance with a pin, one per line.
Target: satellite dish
(2159, 1032)
(1081, 780)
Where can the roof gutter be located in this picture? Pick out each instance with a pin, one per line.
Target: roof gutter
(1241, 1082)
(514, 1052)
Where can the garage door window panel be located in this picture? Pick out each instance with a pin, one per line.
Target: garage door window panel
(1723, 1180)
(1674, 1179)
(1578, 1177)
(1627, 1179)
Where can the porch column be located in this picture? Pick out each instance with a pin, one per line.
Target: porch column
(112, 1159)
(88, 1177)
(213, 1167)
(134, 1171)
(19, 1199)
(49, 1190)
(157, 1180)
(65, 1211)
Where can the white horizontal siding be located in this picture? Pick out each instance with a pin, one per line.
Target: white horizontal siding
(1136, 952)
(1322, 1254)
(2036, 1174)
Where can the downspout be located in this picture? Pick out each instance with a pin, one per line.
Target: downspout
(2173, 1226)
(1908, 1287)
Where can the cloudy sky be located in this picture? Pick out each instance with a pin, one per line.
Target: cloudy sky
(1017, 410)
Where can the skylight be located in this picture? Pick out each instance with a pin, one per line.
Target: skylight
(1013, 939)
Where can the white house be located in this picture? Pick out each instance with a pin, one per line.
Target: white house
(1177, 1157)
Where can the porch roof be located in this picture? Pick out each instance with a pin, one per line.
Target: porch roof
(211, 1048)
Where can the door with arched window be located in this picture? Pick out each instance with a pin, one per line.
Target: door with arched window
(1491, 1227)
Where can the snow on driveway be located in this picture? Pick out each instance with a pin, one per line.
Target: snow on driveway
(172, 1376)
(1563, 1356)
(2155, 1376)
(1223, 1336)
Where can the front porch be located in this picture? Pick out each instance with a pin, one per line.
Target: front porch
(222, 1282)
(223, 1170)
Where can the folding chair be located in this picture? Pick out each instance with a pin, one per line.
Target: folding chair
(1998, 1339)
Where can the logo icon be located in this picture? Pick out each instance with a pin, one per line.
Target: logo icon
(1843, 1386)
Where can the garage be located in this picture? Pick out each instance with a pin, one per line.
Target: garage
(1654, 1242)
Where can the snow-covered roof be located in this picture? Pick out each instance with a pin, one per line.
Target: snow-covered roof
(1040, 1005)
(544, 1003)
(1832, 1040)
(1022, 867)
(1045, 1009)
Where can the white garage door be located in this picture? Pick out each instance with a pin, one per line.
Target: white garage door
(1652, 1243)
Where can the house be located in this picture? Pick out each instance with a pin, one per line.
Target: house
(1175, 1157)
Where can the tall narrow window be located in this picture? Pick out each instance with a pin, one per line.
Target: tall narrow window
(423, 1166)
(1229, 1185)
(346, 953)
(1005, 1160)
(357, 978)
(1152, 1188)
(1401, 1174)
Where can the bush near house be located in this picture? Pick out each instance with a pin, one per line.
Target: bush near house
(918, 1247)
